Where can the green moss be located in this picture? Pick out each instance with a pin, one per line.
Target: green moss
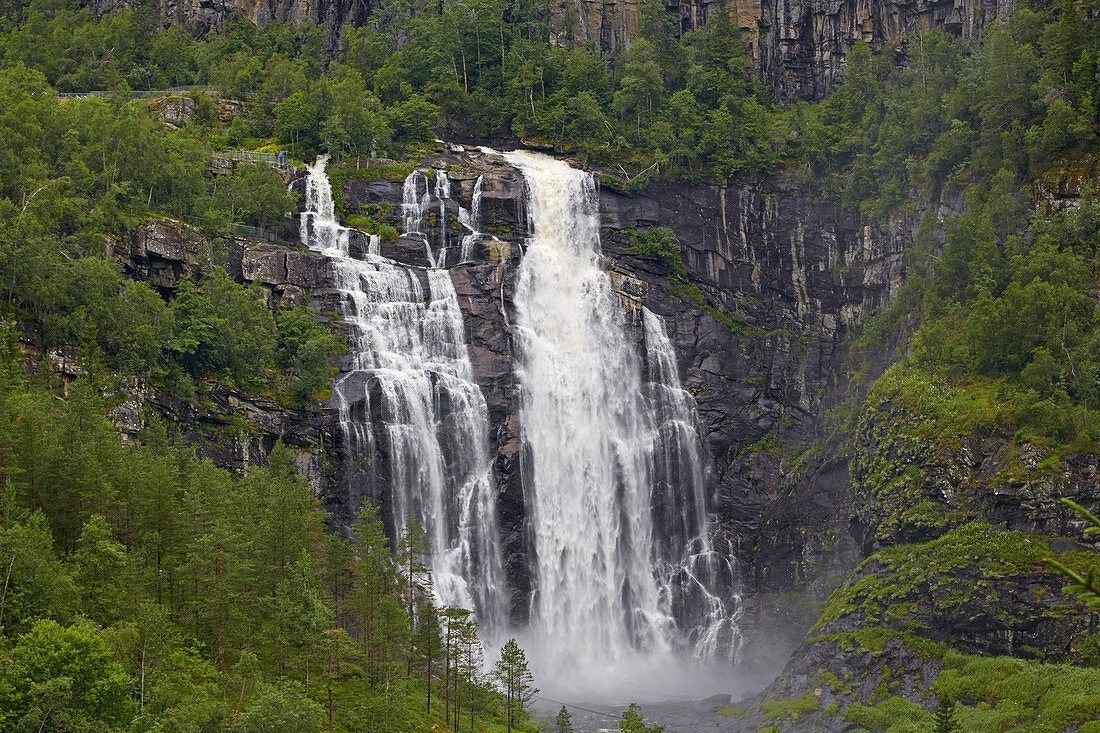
(732, 712)
(691, 291)
(893, 714)
(1000, 693)
(790, 709)
(1034, 696)
(768, 443)
(904, 574)
(873, 640)
(828, 679)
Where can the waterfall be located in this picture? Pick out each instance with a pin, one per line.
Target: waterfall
(472, 221)
(410, 396)
(625, 574)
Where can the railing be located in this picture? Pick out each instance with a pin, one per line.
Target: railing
(254, 232)
(251, 156)
(143, 94)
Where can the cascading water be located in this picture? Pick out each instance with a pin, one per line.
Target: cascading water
(472, 221)
(625, 574)
(409, 356)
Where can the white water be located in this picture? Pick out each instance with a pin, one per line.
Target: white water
(628, 586)
(472, 221)
(408, 350)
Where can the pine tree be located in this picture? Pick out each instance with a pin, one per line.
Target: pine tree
(946, 721)
(515, 680)
(427, 645)
(455, 621)
(634, 722)
(379, 624)
(412, 552)
(563, 723)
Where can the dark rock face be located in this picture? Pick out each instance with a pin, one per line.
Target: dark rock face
(802, 46)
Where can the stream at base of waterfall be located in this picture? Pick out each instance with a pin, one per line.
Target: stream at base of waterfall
(630, 595)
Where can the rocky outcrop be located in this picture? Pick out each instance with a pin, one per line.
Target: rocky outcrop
(802, 46)
(606, 25)
(161, 251)
(233, 429)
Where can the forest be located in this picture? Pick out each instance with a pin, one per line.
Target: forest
(145, 589)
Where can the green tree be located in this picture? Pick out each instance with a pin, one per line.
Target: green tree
(413, 553)
(100, 570)
(634, 722)
(257, 196)
(945, 719)
(34, 581)
(514, 678)
(63, 677)
(563, 721)
(427, 646)
(282, 708)
(297, 122)
(304, 346)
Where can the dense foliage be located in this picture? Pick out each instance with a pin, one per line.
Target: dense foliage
(678, 105)
(144, 589)
(76, 179)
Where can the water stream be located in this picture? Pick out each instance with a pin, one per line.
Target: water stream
(410, 369)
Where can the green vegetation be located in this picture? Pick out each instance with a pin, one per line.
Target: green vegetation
(144, 589)
(670, 105)
(987, 693)
(1085, 587)
(75, 178)
(896, 577)
(791, 710)
(634, 722)
(659, 243)
(514, 677)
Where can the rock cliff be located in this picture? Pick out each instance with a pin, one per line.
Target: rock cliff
(798, 48)
(770, 285)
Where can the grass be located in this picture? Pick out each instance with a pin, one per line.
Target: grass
(790, 709)
(994, 694)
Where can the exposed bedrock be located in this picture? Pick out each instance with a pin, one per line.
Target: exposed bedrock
(798, 48)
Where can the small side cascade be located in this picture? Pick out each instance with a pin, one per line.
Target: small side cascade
(443, 194)
(472, 221)
(701, 585)
(418, 196)
(415, 200)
